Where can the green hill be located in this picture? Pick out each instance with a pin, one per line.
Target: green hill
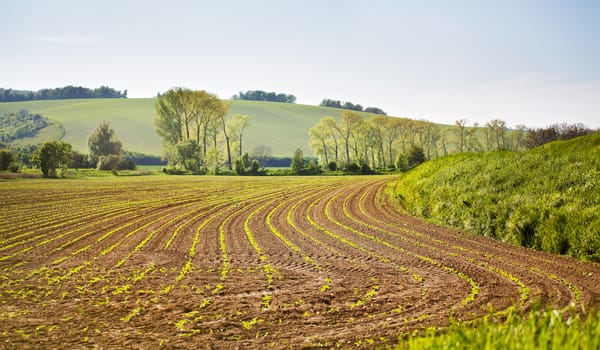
(281, 126)
(547, 198)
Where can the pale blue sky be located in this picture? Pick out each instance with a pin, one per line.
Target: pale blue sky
(526, 62)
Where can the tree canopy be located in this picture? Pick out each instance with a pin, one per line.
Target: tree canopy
(102, 142)
(67, 92)
(259, 95)
(184, 115)
(53, 155)
(350, 106)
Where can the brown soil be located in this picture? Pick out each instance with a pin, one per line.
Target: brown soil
(282, 263)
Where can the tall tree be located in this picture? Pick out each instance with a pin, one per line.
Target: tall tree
(460, 132)
(320, 136)
(222, 118)
(169, 120)
(379, 124)
(297, 162)
(495, 133)
(331, 126)
(237, 125)
(102, 142)
(347, 130)
(391, 133)
(183, 114)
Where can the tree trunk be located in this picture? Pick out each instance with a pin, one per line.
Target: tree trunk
(325, 151)
(228, 152)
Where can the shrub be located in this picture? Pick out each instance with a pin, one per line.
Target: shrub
(255, 167)
(545, 198)
(7, 158)
(351, 168)
(114, 162)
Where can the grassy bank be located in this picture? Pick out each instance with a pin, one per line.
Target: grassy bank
(547, 198)
(538, 330)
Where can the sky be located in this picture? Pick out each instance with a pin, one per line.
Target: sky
(526, 62)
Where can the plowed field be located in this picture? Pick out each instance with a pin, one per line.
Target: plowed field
(229, 262)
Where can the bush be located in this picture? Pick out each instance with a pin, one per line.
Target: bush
(415, 156)
(174, 171)
(7, 159)
(332, 166)
(351, 168)
(365, 169)
(255, 167)
(114, 162)
(14, 168)
(312, 169)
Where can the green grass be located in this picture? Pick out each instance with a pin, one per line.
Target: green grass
(132, 119)
(281, 126)
(547, 198)
(538, 330)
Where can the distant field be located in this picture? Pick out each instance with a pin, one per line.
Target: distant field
(281, 126)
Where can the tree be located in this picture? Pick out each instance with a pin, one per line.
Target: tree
(379, 125)
(563, 131)
(495, 131)
(415, 156)
(461, 134)
(259, 95)
(320, 135)
(80, 160)
(347, 130)
(237, 125)
(375, 110)
(391, 133)
(473, 144)
(221, 119)
(517, 137)
(102, 142)
(183, 114)
(261, 153)
(7, 158)
(298, 162)
(169, 120)
(255, 167)
(188, 155)
(238, 167)
(210, 109)
(331, 103)
(53, 155)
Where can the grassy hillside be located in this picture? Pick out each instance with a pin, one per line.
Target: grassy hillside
(281, 126)
(547, 198)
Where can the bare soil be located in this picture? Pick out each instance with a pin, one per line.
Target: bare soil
(244, 263)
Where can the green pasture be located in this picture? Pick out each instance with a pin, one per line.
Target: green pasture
(281, 126)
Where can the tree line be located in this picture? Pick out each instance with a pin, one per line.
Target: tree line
(259, 95)
(196, 131)
(350, 106)
(560, 131)
(67, 92)
(385, 142)
(376, 141)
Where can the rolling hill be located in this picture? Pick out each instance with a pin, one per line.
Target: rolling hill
(281, 126)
